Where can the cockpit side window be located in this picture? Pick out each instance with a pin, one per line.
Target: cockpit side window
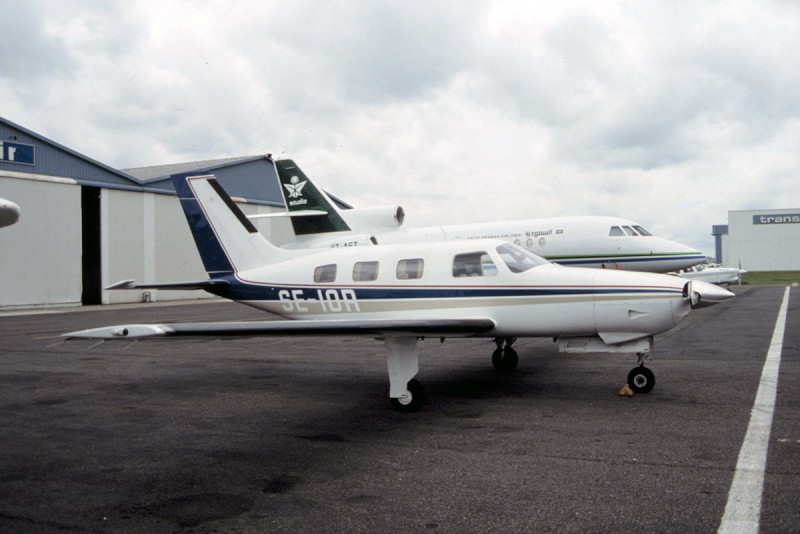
(517, 259)
(473, 264)
(641, 230)
(616, 231)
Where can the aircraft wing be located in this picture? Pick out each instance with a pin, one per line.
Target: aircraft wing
(325, 327)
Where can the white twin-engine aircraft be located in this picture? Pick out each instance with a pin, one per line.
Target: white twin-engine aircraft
(403, 293)
(584, 241)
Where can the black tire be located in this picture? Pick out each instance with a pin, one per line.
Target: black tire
(641, 379)
(505, 360)
(412, 402)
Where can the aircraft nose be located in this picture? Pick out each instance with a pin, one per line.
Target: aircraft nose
(704, 294)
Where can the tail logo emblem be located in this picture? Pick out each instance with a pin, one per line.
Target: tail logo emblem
(295, 188)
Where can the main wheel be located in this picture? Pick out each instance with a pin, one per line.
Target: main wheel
(505, 360)
(641, 379)
(413, 400)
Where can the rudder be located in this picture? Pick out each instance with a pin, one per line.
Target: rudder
(300, 194)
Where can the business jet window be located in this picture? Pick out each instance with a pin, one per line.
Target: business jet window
(325, 273)
(518, 259)
(473, 264)
(629, 231)
(365, 271)
(642, 231)
(410, 269)
(616, 231)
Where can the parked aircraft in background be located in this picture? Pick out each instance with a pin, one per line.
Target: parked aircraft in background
(9, 212)
(713, 273)
(403, 293)
(587, 241)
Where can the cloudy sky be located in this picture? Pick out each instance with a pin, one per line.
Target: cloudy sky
(669, 113)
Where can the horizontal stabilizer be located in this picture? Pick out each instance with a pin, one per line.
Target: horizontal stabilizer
(332, 327)
(302, 213)
(202, 284)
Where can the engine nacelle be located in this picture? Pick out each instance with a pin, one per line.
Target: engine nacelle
(377, 218)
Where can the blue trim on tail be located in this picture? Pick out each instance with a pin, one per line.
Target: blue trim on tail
(212, 253)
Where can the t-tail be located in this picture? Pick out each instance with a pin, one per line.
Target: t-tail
(226, 240)
(310, 209)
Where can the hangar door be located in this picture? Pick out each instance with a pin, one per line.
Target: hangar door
(90, 265)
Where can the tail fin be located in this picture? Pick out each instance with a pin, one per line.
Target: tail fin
(300, 194)
(226, 240)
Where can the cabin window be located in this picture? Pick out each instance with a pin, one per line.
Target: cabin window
(629, 231)
(410, 269)
(473, 264)
(616, 231)
(325, 273)
(517, 259)
(641, 230)
(365, 271)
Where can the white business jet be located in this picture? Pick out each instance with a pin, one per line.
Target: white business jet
(583, 241)
(403, 293)
(9, 212)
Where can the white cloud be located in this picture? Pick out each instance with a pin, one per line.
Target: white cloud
(670, 114)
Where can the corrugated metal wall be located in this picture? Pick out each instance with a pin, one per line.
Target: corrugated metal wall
(40, 256)
(762, 247)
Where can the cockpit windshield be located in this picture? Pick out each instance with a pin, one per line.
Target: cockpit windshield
(634, 231)
(518, 259)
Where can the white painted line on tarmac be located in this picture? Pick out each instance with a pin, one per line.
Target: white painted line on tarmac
(743, 510)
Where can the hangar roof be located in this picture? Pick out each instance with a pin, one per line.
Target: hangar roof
(159, 172)
(46, 157)
(249, 178)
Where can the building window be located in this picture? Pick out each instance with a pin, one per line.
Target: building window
(365, 271)
(325, 273)
(410, 269)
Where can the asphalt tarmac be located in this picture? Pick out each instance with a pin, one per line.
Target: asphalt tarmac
(296, 434)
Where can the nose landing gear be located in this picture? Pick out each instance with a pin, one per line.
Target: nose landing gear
(504, 358)
(641, 379)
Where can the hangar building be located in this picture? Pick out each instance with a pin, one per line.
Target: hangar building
(85, 225)
(760, 240)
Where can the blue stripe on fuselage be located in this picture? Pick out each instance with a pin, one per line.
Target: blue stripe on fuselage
(238, 290)
(627, 260)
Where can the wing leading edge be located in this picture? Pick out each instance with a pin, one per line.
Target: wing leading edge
(332, 327)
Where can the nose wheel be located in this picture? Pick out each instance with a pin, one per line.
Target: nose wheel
(641, 379)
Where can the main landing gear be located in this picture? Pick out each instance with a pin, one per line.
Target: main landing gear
(504, 358)
(406, 394)
(641, 379)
